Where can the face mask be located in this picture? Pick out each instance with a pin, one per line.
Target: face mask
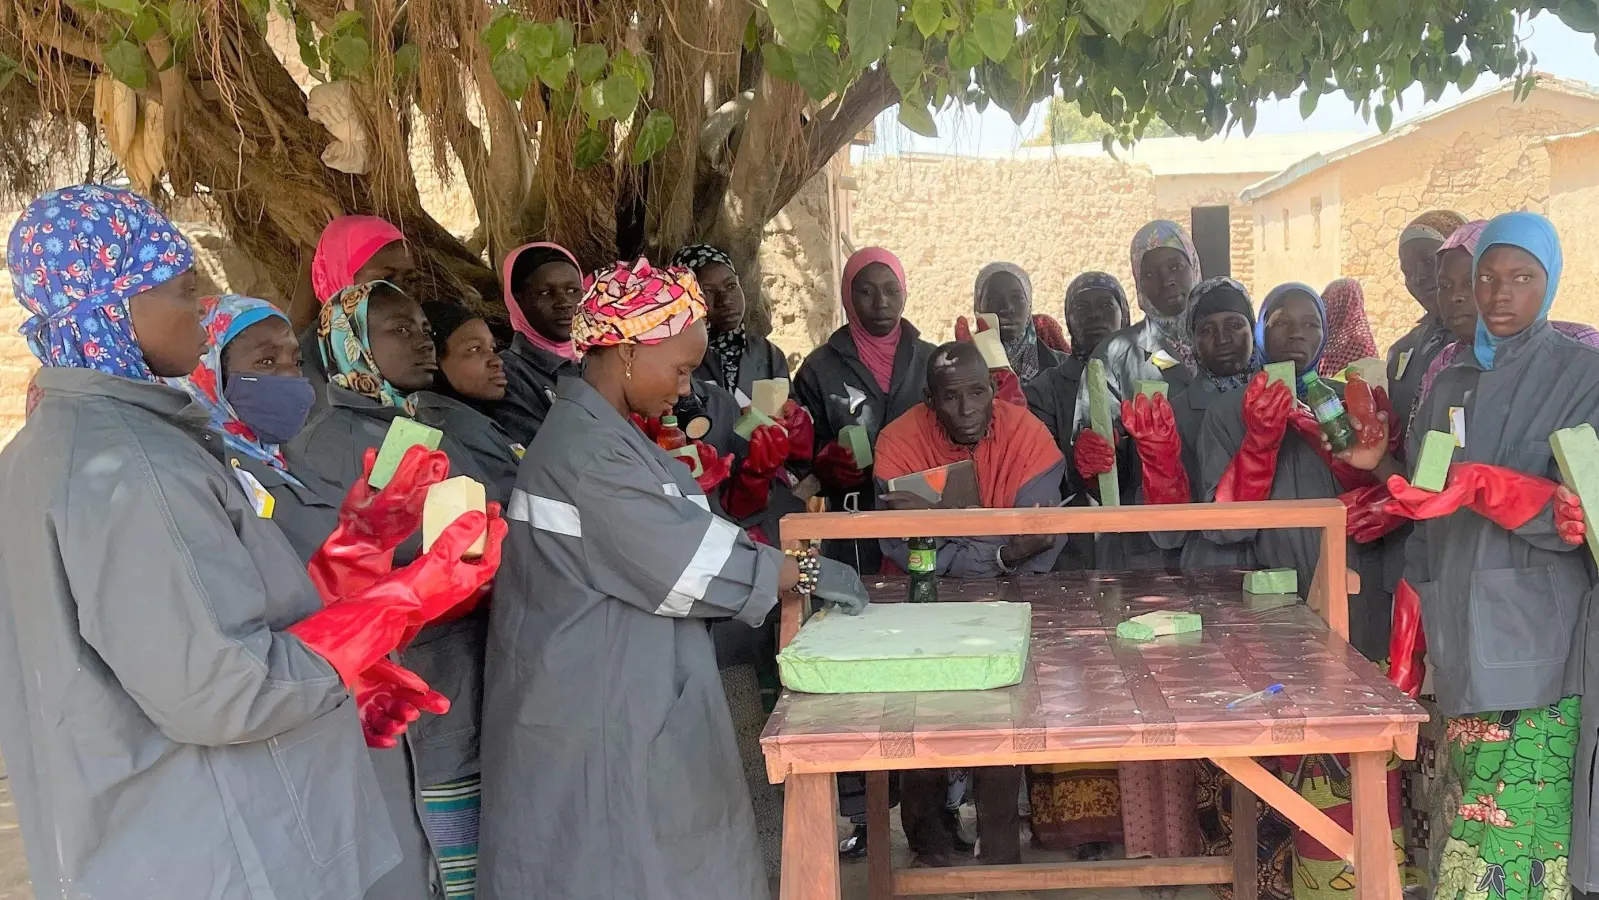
(275, 407)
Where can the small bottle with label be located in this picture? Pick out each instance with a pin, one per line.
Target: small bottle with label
(671, 436)
(923, 570)
(1329, 410)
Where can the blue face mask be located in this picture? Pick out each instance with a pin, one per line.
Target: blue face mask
(274, 406)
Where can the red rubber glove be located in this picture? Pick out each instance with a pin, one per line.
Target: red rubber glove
(963, 330)
(835, 466)
(714, 467)
(1503, 496)
(391, 697)
(1367, 515)
(1396, 429)
(801, 432)
(1092, 454)
(1253, 468)
(1153, 427)
(749, 490)
(1348, 477)
(1407, 644)
(361, 628)
(1569, 520)
(373, 522)
(650, 427)
(1007, 387)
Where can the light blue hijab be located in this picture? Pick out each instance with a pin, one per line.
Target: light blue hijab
(1534, 234)
(1271, 302)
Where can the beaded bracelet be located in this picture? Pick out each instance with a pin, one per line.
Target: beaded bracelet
(810, 568)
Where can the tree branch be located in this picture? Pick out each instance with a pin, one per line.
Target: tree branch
(833, 128)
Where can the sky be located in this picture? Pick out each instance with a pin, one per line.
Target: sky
(1559, 51)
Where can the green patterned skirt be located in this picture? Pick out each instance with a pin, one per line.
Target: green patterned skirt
(1510, 839)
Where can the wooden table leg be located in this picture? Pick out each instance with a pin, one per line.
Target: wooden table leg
(1376, 872)
(879, 853)
(1246, 857)
(810, 838)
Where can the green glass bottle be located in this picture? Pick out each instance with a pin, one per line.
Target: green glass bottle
(923, 570)
(1329, 411)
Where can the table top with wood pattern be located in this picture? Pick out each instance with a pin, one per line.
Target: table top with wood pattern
(1092, 695)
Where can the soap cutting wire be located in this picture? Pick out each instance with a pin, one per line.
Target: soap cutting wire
(1274, 689)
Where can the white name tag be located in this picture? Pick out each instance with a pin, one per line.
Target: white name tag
(260, 498)
(1162, 360)
(1403, 364)
(1457, 424)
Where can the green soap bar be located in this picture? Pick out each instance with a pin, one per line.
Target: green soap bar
(690, 457)
(751, 420)
(1271, 581)
(1149, 626)
(1432, 464)
(860, 446)
(1099, 400)
(403, 435)
(1577, 453)
(1151, 388)
(897, 647)
(1264, 602)
(1281, 371)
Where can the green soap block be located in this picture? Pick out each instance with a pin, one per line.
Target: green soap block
(1099, 418)
(1151, 388)
(691, 457)
(1164, 623)
(1577, 453)
(1264, 602)
(896, 647)
(1432, 464)
(1271, 581)
(403, 435)
(1281, 371)
(751, 420)
(860, 446)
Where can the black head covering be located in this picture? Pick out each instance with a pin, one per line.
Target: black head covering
(446, 319)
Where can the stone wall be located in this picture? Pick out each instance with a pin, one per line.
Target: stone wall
(1177, 195)
(945, 218)
(1574, 208)
(799, 266)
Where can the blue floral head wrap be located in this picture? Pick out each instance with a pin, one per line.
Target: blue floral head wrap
(347, 350)
(225, 319)
(1271, 302)
(1534, 234)
(77, 255)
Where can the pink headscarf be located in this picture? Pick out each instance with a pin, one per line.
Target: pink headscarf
(345, 246)
(513, 308)
(1464, 238)
(876, 352)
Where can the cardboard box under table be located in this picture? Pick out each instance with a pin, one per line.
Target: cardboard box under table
(1086, 696)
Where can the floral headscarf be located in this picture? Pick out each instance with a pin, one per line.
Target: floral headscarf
(1173, 330)
(1348, 333)
(77, 256)
(728, 346)
(1022, 352)
(697, 256)
(346, 245)
(226, 318)
(633, 303)
(341, 332)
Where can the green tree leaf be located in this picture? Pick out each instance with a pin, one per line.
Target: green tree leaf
(592, 100)
(654, 134)
(995, 32)
(817, 71)
(905, 66)
(352, 54)
(621, 96)
(8, 70)
(349, 22)
(510, 73)
(929, 16)
(868, 29)
(590, 148)
(129, 8)
(752, 34)
(914, 115)
(1116, 17)
(798, 22)
(1385, 118)
(590, 59)
(127, 64)
(407, 60)
(779, 61)
(145, 25)
(564, 36)
(536, 42)
(1307, 102)
(1359, 13)
(499, 30)
(183, 20)
(964, 52)
(556, 70)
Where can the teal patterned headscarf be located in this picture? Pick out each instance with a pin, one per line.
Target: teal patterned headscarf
(341, 332)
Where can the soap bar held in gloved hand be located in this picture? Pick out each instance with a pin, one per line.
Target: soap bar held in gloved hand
(1283, 372)
(988, 322)
(1099, 400)
(403, 435)
(447, 501)
(768, 396)
(993, 351)
(1577, 453)
(690, 456)
(1162, 623)
(752, 419)
(1151, 388)
(1432, 464)
(854, 439)
(1271, 581)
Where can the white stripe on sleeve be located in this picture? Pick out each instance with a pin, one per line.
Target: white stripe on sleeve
(715, 547)
(699, 500)
(545, 514)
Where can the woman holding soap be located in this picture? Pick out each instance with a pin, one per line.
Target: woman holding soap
(609, 755)
(187, 684)
(735, 358)
(352, 250)
(1004, 291)
(1409, 357)
(1502, 582)
(542, 286)
(467, 388)
(376, 346)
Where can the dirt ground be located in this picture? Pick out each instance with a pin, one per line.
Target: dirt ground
(14, 883)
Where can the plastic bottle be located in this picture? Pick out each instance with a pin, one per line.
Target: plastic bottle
(923, 570)
(671, 436)
(1362, 407)
(1329, 411)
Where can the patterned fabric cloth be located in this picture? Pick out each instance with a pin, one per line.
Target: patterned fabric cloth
(77, 256)
(697, 256)
(637, 304)
(1022, 352)
(1465, 237)
(1198, 308)
(1159, 818)
(450, 815)
(1434, 225)
(1173, 330)
(1323, 779)
(1512, 833)
(1274, 838)
(1080, 285)
(346, 245)
(1075, 806)
(1577, 331)
(341, 332)
(226, 318)
(729, 349)
(1349, 334)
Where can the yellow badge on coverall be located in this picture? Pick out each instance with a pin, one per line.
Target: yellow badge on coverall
(260, 498)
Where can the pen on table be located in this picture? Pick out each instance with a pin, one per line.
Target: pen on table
(1274, 689)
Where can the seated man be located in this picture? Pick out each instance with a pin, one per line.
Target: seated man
(1017, 465)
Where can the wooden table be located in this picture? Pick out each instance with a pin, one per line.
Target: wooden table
(1088, 697)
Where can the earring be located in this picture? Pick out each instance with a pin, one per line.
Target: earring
(628, 370)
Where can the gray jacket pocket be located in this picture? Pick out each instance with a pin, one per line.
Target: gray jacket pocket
(1518, 620)
(316, 762)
